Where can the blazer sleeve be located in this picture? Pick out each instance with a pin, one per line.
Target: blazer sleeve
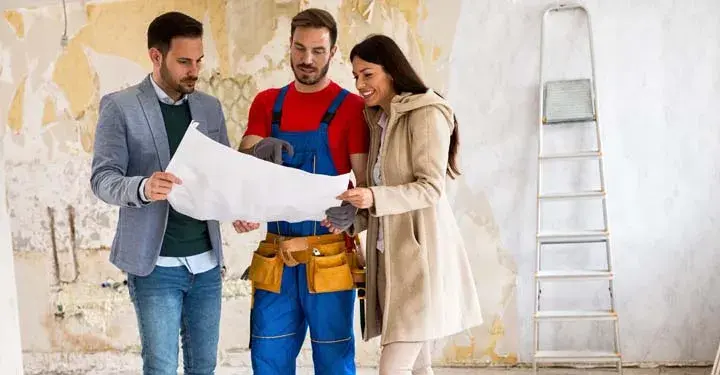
(108, 178)
(429, 144)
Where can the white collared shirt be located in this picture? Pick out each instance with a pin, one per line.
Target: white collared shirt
(197, 263)
(164, 97)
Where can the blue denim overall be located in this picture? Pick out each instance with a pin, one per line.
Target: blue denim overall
(279, 321)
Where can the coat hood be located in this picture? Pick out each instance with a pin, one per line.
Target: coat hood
(408, 102)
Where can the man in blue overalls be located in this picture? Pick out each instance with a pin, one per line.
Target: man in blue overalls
(302, 274)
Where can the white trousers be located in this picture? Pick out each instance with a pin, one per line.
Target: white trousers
(406, 358)
(401, 358)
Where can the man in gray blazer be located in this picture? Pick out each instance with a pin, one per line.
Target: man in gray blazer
(173, 261)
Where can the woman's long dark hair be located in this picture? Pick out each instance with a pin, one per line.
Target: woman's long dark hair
(383, 51)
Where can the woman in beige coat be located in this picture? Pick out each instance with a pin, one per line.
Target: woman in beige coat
(419, 283)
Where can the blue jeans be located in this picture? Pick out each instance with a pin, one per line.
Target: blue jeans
(169, 301)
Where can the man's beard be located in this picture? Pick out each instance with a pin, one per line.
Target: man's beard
(309, 78)
(174, 85)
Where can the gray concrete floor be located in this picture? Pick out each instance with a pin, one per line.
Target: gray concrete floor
(455, 371)
(486, 371)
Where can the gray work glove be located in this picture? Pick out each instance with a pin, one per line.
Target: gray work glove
(341, 217)
(270, 149)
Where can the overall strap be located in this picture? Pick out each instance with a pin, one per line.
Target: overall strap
(277, 107)
(330, 113)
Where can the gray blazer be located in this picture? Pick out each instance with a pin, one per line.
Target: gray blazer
(130, 144)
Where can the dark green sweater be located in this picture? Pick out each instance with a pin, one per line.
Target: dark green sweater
(184, 235)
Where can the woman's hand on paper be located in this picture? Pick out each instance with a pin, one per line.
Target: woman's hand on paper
(359, 197)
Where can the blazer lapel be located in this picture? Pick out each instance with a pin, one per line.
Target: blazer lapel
(197, 114)
(151, 108)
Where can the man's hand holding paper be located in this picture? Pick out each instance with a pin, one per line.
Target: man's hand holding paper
(340, 218)
(159, 185)
(270, 149)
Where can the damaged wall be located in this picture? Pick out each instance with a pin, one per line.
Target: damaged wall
(659, 86)
(11, 361)
(74, 305)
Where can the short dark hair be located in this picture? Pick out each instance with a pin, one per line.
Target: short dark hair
(316, 18)
(382, 50)
(171, 25)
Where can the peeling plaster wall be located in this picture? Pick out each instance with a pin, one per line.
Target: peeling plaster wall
(658, 87)
(658, 83)
(11, 361)
(61, 232)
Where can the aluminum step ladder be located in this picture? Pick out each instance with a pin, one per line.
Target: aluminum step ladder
(568, 103)
(716, 365)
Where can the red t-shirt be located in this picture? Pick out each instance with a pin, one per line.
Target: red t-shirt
(347, 132)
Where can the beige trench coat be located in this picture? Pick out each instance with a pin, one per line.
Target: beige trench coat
(430, 289)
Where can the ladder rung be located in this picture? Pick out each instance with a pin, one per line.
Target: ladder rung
(572, 155)
(569, 275)
(571, 121)
(588, 236)
(576, 315)
(578, 195)
(576, 356)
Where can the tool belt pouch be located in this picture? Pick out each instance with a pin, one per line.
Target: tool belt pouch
(266, 268)
(358, 274)
(357, 270)
(330, 273)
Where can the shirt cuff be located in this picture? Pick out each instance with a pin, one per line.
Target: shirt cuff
(141, 191)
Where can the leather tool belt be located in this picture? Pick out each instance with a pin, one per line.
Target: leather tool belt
(331, 264)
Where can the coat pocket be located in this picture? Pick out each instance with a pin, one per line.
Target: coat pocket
(329, 274)
(413, 231)
(266, 268)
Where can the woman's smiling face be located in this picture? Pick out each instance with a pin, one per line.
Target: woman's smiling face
(372, 82)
